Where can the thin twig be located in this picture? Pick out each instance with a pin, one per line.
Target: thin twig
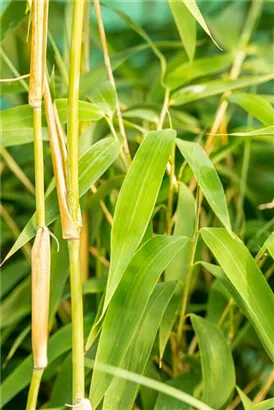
(110, 75)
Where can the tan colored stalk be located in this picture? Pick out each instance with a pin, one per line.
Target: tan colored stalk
(69, 229)
(110, 76)
(40, 261)
(261, 395)
(61, 137)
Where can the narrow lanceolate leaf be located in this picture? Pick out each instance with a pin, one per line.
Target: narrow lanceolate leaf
(150, 383)
(105, 98)
(244, 281)
(217, 363)
(247, 403)
(185, 382)
(136, 202)
(207, 178)
(16, 123)
(93, 163)
(184, 226)
(259, 132)
(186, 26)
(264, 405)
(194, 10)
(177, 269)
(198, 68)
(198, 91)
(121, 394)
(128, 305)
(269, 244)
(255, 105)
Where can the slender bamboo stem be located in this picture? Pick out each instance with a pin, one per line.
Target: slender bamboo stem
(34, 388)
(77, 320)
(110, 75)
(73, 202)
(251, 21)
(41, 248)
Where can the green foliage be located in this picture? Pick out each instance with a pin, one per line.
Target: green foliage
(177, 241)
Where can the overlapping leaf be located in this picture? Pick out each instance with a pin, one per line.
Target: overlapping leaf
(244, 281)
(128, 306)
(207, 178)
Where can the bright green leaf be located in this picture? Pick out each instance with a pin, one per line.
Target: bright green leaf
(244, 281)
(198, 91)
(255, 105)
(136, 202)
(194, 10)
(198, 68)
(217, 363)
(207, 178)
(104, 96)
(121, 394)
(133, 292)
(186, 25)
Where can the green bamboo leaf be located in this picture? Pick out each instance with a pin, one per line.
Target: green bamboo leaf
(247, 403)
(186, 26)
(198, 68)
(225, 33)
(217, 363)
(16, 124)
(269, 244)
(198, 91)
(104, 96)
(134, 291)
(136, 202)
(12, 16)
(184, 226)
(12, 274)
(61, 390)
(17, 304)
(93, 163)
(194, 10)
(207, 178)
(20, 377)
(255, 105)
(259, 132)
(177, 269)
(121, 394)
(149, 383)
(244, 281)
(147, 114)
(264, 405)
(185, 382)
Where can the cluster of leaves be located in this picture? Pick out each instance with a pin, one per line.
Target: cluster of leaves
(177, 298)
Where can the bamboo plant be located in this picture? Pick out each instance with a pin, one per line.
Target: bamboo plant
(159, 135)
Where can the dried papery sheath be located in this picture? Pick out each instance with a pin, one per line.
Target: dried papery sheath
(37, 52)
(40, 260)
(69, 229)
